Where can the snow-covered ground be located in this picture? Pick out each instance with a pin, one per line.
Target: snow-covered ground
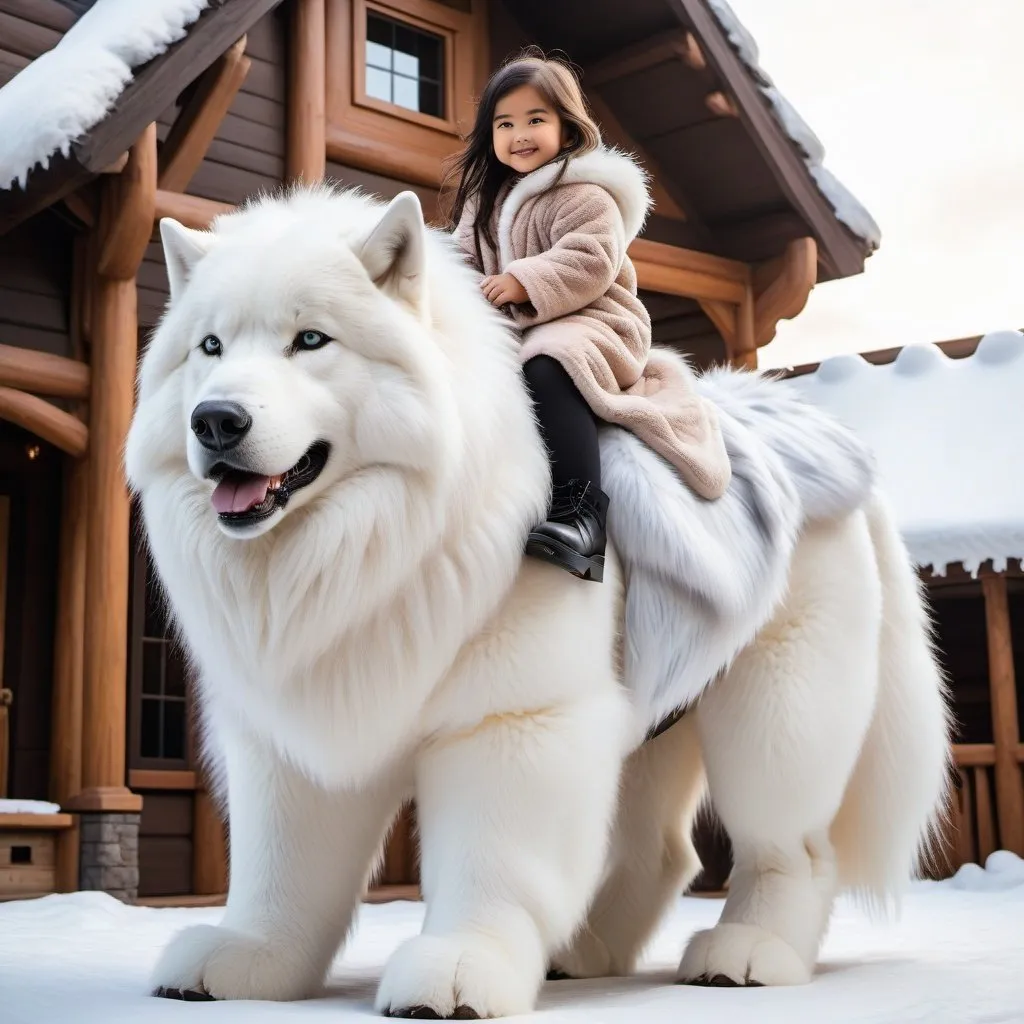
(956, 957)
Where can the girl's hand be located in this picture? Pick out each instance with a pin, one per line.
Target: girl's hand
(503, 288)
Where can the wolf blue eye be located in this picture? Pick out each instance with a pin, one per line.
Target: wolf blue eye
(211, 345)
(309, 340)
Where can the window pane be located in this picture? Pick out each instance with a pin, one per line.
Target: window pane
(174, 672)
(415, 59)
(152, 666)
(155, 625)
(430, 99)
(149, 740)
(378, 84)
(378, 56)
(174, 729)
(431, 53)
(407, 92)
(379, 30)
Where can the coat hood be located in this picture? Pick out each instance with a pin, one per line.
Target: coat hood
(618, 173)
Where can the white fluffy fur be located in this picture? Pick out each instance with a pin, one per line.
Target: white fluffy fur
(617, 172)
(383, 638)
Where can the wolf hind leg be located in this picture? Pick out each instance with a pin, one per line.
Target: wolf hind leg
(781, 734)
(651, 860)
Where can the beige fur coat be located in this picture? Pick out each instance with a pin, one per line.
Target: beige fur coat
(566, 246)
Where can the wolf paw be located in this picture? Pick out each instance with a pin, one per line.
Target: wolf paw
(209, 962)
(740, 954)
(435, 977)
(587, 957)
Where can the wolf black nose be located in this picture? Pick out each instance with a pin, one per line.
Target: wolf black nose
(220, 425)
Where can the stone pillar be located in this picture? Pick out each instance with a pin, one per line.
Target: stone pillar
(109, 855)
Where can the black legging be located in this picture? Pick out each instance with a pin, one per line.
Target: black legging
(566, 422)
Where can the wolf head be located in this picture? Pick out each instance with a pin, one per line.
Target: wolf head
(296, 352)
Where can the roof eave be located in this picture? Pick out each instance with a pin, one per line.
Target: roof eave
(152, 88)
(840, 251)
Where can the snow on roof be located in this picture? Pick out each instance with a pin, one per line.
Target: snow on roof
(847, 208)
(65, 92)
(947, 437)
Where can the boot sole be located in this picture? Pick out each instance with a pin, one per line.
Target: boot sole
(548, 550)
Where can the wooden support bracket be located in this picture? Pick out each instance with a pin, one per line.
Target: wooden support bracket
(782, 287)
(196, 124)
(720, 105)
(59, 428)
(126, 211)
(191, 211)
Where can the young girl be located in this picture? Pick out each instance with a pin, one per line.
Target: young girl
(545, 212)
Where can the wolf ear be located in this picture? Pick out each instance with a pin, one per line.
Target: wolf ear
(183, 248)
(394, 255)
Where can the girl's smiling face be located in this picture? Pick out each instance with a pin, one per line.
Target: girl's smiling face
(527, 131)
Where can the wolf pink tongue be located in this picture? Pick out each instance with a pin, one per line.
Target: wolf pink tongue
(239, 494)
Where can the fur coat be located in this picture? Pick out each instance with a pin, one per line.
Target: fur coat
(566, 245)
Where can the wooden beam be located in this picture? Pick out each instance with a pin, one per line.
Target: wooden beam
(1005, 731)
(688, 273)
(66, 720)
(307, 93)
(128, 205)
(782, 287)
(841, 251)
(192, 211)
(141, 102)
(630, 60)
(61, 429)
(43, 373)
(128, 209)
(196, 125)
(720, 105)
(693, 55)
(665, 203)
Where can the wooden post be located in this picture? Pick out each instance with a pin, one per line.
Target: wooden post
(209, 847)
(126, 222)
(307, 92)
(66, 734)
(1005, 731)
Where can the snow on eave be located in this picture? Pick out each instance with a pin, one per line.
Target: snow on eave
(64, 93)
(848, 210)
(946, 436)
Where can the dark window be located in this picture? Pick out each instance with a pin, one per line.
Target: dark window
(158, 712)
(404, 65)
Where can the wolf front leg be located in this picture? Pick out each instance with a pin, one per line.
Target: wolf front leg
(300, 857)
(514, 820)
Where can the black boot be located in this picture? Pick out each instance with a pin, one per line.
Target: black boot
(573, 535)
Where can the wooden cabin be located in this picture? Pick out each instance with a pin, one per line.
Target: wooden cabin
(95, 713)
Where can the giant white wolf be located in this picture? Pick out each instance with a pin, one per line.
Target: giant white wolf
(338, 466)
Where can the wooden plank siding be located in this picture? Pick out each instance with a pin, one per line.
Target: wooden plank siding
(246, 156)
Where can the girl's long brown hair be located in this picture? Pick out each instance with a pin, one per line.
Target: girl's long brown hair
(481, 173)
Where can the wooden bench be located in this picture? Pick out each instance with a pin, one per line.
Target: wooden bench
(28, 853)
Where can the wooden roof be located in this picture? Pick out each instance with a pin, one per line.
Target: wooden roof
(153, 86)
(664, 73)
(741, 180)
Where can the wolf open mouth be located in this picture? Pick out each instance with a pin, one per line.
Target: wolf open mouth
(242, 498)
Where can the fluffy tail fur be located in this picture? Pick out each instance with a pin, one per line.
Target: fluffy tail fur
(889, 821)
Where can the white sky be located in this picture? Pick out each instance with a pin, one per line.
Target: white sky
(920, 107)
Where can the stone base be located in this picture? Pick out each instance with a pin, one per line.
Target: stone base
(109, 859)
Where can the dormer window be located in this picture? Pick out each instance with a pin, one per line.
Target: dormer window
(402, 76)
(404, 65)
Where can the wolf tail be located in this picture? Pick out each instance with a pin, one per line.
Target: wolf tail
(890, 820)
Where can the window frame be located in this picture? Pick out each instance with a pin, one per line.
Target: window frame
(373, 135)
(361, 98)
(140, 579)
